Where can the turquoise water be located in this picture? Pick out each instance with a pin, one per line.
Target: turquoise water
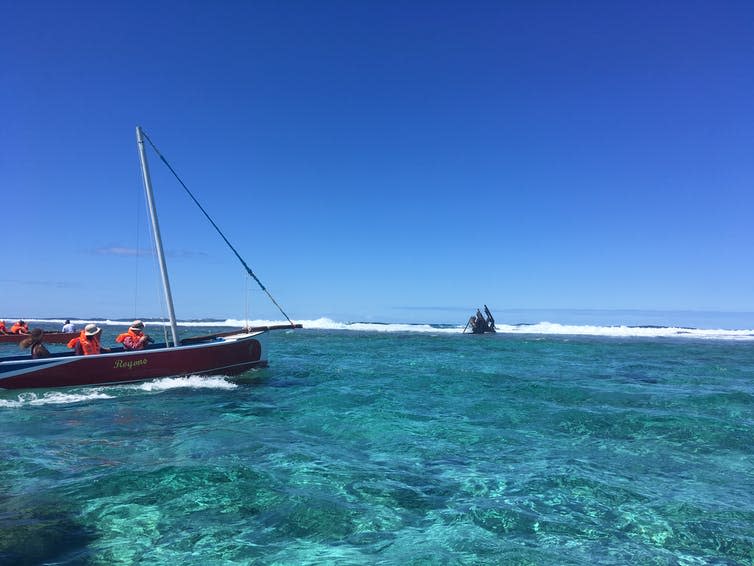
(396, 448)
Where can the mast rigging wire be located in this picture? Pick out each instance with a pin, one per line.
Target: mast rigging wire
(248, 269)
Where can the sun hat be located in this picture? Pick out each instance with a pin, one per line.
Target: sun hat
(91, 330)
(137, 325)
(37, 333)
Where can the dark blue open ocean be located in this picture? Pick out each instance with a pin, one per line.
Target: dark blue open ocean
(369, 447)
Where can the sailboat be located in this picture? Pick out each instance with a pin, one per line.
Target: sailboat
(226, 353)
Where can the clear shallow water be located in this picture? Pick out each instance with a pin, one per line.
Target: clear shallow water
(396, 448)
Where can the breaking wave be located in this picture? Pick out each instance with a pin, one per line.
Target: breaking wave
(540, 328)
(545, 328)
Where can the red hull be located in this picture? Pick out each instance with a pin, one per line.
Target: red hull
(228, 356)
(49, 337)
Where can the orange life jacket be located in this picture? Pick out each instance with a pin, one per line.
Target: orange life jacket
(19, 328)
(3, 329)
(89, 344)
(125, 335)
(133, 343)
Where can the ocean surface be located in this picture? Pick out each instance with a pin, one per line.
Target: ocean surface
(398, 444)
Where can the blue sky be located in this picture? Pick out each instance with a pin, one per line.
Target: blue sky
(377, 160)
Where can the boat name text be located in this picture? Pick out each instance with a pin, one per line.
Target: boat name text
(130, 364)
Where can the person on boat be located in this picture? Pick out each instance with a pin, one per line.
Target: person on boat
(19, 327)
(88, 342)
(134, 339)
(481, 323)
(68, 327)
(34, 340)
(3, 328)
(476, 328)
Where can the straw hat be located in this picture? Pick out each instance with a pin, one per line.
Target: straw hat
(137, 325)
(91, 330)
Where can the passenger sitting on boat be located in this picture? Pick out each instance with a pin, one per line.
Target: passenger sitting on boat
(38, 350)
(481, 324)
(68, 327)
(3, 329)
(88, 342)
(19, 327)
(134, 339)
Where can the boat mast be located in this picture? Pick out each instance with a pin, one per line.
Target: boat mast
(156, 232)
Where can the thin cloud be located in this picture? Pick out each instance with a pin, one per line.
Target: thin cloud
(135, 252)
(418, 308)
(37, 283)
(120, 251)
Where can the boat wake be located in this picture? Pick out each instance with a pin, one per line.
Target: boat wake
(52, 398)
(189, 382)
(30, 399)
